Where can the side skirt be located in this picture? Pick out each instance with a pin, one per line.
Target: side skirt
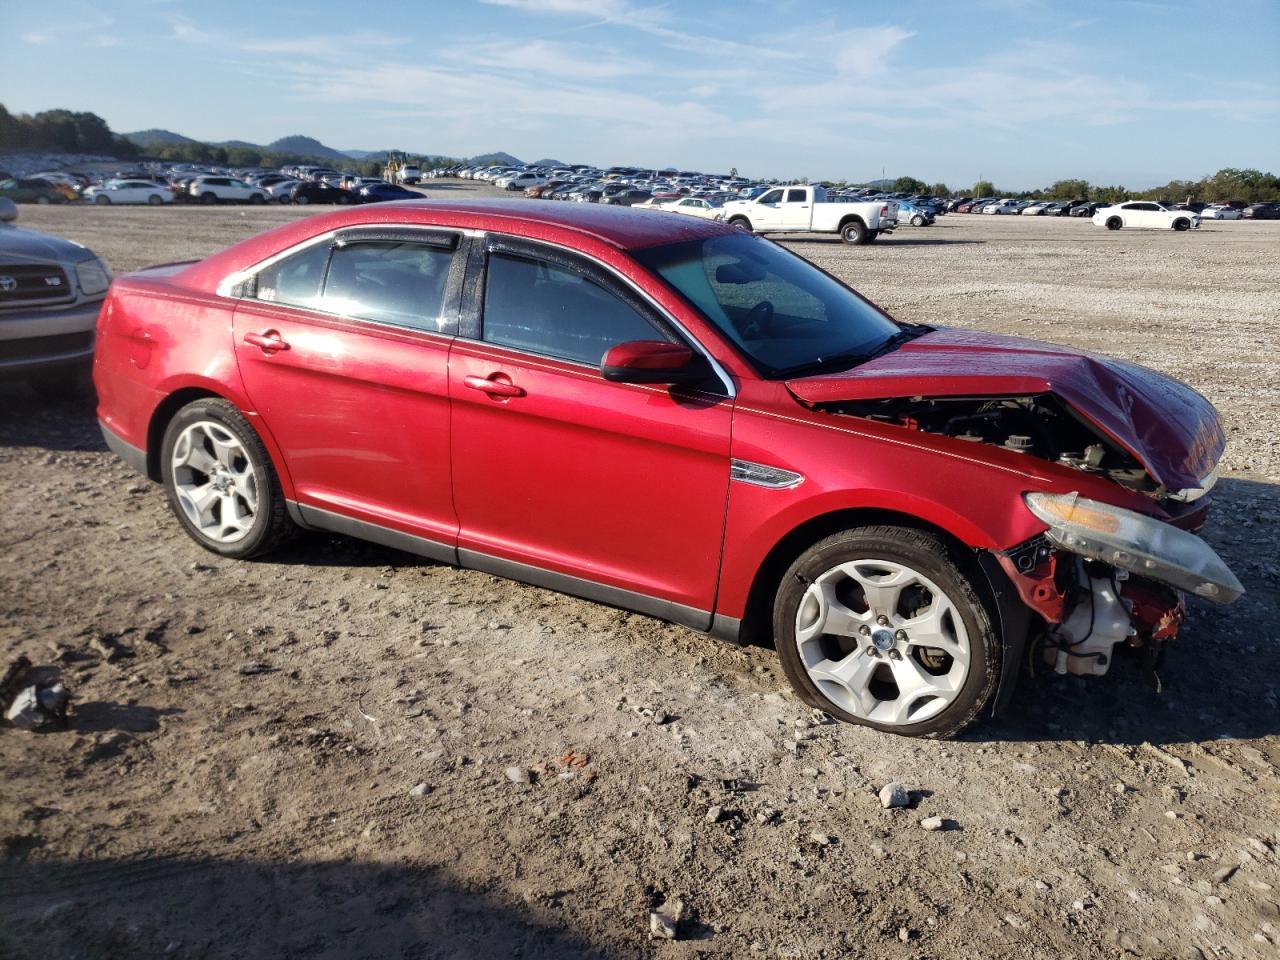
(315, 518)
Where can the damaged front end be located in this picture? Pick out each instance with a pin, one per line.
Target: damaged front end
(1099, 575)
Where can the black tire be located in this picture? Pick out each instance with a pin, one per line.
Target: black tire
(1182, 224)
(873, 236)
(285, 198)
(854, 232)
(302, 200)
(343, 200)
(931, 556)
(271, 524)
(741, 223)
(154, 200)
(1115, 223)
(102, 200)
(208, 197)
(256, 198)
(42, 200)
(917, 221)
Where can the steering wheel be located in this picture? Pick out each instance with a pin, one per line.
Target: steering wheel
(758, 317)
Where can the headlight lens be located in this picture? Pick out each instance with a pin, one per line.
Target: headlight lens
(1140, 544)
(94, 276)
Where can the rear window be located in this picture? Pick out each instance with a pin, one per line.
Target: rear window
(294, 281)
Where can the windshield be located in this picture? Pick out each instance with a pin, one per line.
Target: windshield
(784, 314)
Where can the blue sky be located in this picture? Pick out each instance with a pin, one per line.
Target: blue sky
(1021, 92)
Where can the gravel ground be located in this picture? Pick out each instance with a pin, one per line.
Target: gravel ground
(311, 756)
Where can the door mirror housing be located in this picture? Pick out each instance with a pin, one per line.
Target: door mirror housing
(652, 361)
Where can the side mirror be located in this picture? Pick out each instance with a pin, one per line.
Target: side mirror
(651, 361)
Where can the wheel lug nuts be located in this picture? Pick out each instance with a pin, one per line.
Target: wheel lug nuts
(895, 655)
(882, 620)
(900, 636)
(864, 630)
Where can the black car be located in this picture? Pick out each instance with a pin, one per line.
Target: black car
(1087, 209)
(1262, 211)
(625, 198)
(378, 192)
(317, 191)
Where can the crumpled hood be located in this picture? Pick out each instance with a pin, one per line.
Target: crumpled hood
(1168, 428)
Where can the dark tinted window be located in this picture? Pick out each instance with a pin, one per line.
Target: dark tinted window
(543, 308)
(294, 280)
(795, 196)
(388, 281)
(773, 196)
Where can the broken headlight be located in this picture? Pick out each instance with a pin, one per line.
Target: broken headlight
(1131, 541)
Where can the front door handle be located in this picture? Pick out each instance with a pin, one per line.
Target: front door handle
(495, 388)
(270, 341)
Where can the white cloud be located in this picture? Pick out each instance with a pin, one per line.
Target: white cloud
(36, 38)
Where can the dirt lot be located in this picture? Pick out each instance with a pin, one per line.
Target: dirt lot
(239, 778)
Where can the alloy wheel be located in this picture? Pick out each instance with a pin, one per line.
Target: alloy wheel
(215, 482)
(882, 641)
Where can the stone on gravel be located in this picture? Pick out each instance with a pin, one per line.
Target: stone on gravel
(894, 795)
(821, 839)
(252, 668)
(933, 824)
(1225, 874)
(664, 923)
(421, 790)
(714, 814)
(517, 774)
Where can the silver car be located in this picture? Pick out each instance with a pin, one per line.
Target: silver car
(50, 293)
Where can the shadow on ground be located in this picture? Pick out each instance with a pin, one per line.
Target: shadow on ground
(207, 908)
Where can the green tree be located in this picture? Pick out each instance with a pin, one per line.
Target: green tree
(1109, 194)
(939, 190)
(909, 185)
(1069, 190)
(984, 188)
(733, 171)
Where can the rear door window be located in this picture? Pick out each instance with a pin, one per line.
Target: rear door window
(389, 281)
(795, 196)
(295, 281)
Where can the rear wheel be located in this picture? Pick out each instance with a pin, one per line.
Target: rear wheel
(101, 200)
(154, 200)
(854, 232)
(1182, 224)
(880, 626)
(302, 199)
(257, 198)
(208, 197)
(917, 221)
(1114, 223)
(220, 481)
(741, 223)
(42, 199)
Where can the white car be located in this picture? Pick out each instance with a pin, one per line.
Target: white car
(1145, 213)
(212, 189)
(129, 191)
(697, 207)
(1002, 207)
(1035, 209)
(281, 192)
(1217, 211)
(520, 181)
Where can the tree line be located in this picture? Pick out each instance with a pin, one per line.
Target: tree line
(1229, 183)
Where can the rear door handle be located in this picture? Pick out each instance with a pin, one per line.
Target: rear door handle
(495, 388)
(270, 341)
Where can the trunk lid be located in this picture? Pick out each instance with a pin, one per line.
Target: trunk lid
(1169, 428)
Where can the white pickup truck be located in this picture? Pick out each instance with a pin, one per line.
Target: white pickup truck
(799, 208)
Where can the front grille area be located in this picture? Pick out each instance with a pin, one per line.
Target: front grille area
(33, 283)
(32, 348)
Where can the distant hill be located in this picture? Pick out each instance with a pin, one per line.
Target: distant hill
(489, 158)
(238, 143)
(547, 163)
(306, 146)
(151, 139)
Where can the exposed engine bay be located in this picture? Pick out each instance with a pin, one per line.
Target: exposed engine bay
(1038, 426)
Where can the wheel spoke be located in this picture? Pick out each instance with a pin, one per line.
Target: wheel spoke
(882, 591)
(913, 683)
(854, 674)
(199, 501)
(827, 615)
(929, 629)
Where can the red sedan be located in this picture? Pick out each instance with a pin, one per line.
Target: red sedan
(675, 417)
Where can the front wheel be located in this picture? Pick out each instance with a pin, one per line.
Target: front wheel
(741, 223)
(917, 221)
(154, 200)
(209, 198)
(1182, 224)
(102, 200)
(302, 200)
(220, 481)
(1115, 223)
(854, 232)
(880, 626)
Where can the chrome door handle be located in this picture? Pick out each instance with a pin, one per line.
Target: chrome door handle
(495, 388)
(269, 342)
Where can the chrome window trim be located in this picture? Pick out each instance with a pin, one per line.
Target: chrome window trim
(721, 374)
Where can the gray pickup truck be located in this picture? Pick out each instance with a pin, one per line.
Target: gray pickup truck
(50, 293)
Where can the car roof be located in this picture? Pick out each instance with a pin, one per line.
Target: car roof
(619, 227)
